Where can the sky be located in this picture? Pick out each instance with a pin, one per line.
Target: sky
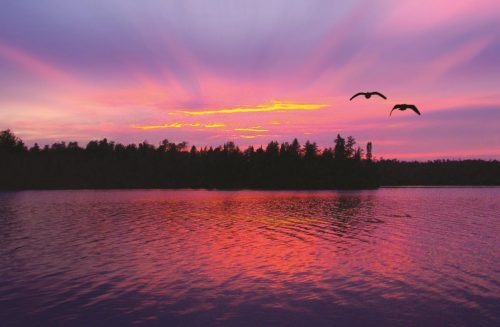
(208, 72)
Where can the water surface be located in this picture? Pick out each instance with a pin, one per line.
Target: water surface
(411, 256)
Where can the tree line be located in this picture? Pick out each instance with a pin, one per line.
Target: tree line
(106, 164)
(289, 165)
(439, 173)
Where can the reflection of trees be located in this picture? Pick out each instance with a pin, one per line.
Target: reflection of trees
(324, 214)
(8, 223)
(350, 214)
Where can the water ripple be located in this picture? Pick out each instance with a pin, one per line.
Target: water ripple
(385, 257)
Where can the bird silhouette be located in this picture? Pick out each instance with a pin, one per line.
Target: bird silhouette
(369, 95)
(405, 106)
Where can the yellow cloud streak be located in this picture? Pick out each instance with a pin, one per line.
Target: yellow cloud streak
(274, 106)
(251, 129)
(214, 125)
(178, 125)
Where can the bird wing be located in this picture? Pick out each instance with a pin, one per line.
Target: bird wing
(355, 95)
(414, 108)
(394, 108)
(380, 95)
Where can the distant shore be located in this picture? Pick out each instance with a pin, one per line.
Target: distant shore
(249, 189)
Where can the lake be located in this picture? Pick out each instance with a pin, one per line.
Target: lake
(396, 256)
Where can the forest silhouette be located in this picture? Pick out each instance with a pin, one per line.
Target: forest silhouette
(106, 164)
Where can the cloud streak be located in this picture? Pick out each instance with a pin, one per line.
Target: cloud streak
(177, 125)
(279, 106)
(251, 129)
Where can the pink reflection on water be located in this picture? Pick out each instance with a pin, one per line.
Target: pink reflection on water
(285, 257)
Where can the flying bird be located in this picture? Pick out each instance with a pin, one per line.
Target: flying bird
(404, 106)
(369, 95)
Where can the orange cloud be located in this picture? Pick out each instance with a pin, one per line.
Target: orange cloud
(250, 136)
(273, 106)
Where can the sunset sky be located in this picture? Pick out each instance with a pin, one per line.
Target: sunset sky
(207, 72)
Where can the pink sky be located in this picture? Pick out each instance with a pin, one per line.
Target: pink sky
(255, 71)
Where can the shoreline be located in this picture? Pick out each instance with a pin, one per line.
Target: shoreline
(249, 189)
